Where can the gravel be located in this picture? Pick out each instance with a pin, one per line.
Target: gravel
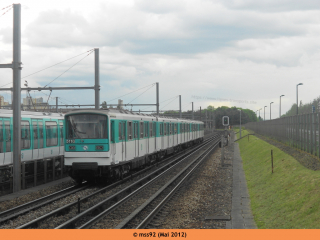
(208, 193)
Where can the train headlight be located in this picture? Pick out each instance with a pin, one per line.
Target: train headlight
(72, 147)
(99, 147)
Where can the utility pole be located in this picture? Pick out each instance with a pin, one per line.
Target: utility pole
(192, 112)
(56, 104)
(157, 100)
(96, 79)
(180, 105)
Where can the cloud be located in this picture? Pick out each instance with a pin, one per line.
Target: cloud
(272, 5)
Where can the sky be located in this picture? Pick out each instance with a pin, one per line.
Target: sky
(242, 53)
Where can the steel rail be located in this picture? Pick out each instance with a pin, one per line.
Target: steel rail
(117, 204)
(66, 208)
(27, 207)
(158, 208)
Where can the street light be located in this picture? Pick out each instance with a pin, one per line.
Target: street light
(280, 106)
(240, 121)
(270, 110)
(264, 114)
(297, 96)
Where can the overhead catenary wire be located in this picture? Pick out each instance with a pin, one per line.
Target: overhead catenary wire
(159, 103)
(169, 102)
(141, 94)
(130, 93)
(10, 7)
(90, 51)
(68, 69)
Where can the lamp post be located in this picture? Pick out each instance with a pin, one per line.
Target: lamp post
(270, 110)
(259, 113)
(280, 106)
(264, 114)
(240, 121)
(297, 96)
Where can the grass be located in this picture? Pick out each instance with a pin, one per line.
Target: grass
(289, 197)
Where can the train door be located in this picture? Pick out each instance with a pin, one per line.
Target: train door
(155, 135)
(146, 135)
(173, 134)
(141, 143)
(164, 134)
(8, 141)
(136, 139)
(1, 141)
(122, 140)
(113, 142)
(176, 131)
(41, 134)
(61, 135)
(35, 138)
(168, 134)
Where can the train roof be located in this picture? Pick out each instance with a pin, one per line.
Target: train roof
(125, 114)
(29, 114)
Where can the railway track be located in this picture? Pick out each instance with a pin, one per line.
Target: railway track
(78, 208)
(108, 203)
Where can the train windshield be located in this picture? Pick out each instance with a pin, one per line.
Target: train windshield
(90, 126)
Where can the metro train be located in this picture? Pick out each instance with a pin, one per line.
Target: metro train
(41, 136)
(108, 143)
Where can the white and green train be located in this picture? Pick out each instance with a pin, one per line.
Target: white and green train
(41, 136)
(109, 143)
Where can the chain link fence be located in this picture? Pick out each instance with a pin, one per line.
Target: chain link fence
(300, 131)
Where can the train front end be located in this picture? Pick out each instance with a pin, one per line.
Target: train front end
(87, 155)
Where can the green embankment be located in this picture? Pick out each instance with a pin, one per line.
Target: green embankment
(287, 198)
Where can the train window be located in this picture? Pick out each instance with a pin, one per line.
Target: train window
(181, 128)
(145, 129)
(141, 129)
(175, 128)
(51, 133)
(89, 126)
(155, 129)
(150, 129)
(7, 136)
(40, 124)
(161, 129)
(61, 134)
(168, 128)
(120, 131)
(35, 135)
(129, 129)
(165, 128)
(1, 137)
(25, 135)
